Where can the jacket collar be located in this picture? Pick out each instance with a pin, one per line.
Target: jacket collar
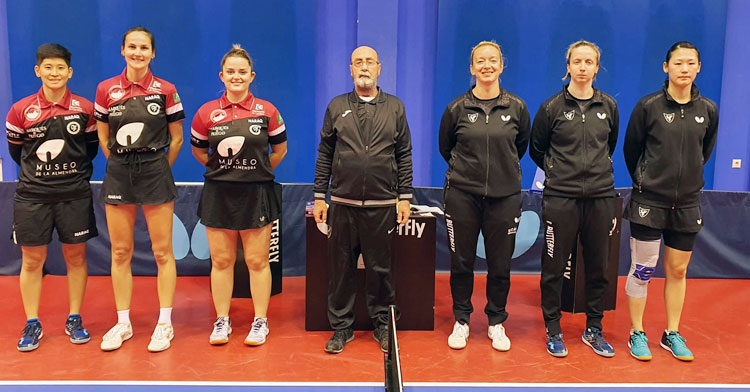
(694, 92)
(380, 98)
(597, 97)
(503, 100)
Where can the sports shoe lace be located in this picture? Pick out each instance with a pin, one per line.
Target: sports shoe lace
(638, 339)
(676, 338)
(74, 323)
(29, 330)
(220, 324)
(596, 335)
(556, 338)
(459, 330)
(339, 335)
(158, 333)
(257, 325)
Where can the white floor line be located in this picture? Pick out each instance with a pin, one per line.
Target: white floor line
(374, 384)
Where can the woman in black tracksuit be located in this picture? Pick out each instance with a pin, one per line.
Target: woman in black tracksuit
(483, 135)
(670, 136)
(572, 140)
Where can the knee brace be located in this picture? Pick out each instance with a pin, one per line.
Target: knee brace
(644, 255)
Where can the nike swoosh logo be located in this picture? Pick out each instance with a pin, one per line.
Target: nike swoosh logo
(345, 113)
(391, 230)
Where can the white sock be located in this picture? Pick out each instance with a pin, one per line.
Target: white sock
(123, 316)
(165, 316)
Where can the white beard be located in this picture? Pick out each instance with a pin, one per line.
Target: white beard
(365, 83)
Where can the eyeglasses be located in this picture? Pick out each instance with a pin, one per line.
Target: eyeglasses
(369, 63)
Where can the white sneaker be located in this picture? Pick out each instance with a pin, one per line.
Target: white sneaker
(457, 339)
(258, 332)
(112, 340)
(161, 338)
(500, 341)
(222, 330)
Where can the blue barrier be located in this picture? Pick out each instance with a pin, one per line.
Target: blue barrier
(721, 249)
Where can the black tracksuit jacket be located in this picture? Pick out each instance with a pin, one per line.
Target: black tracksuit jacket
(666, 146)
(365, 167)
(484, 149)
(575, 148)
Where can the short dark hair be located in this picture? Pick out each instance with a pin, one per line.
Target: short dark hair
(142, 30)
(681, 45)
(52, 51)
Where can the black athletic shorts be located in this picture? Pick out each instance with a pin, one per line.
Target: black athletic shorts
(238, 205)
(673, 239)
(138, 178)
(33, 222)
(685, 220)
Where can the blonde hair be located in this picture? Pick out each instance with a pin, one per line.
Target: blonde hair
(237, 51)
(486, 43)
(579, 44)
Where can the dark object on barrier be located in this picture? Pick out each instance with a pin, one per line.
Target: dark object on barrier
(413, 269)
(574, 279)
(241, 277)
(392, 359)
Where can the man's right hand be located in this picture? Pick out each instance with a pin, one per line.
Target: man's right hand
(320, 211)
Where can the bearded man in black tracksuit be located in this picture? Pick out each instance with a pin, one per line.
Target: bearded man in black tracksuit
(365, 155)
(572, 139)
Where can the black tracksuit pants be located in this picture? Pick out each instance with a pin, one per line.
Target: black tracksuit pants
(369, 231)
(565, 219)
(465, 215)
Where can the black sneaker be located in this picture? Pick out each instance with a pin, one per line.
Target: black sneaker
(340, 337)
(593, 338)
(32, 332)
(381, 336)
(74, 329)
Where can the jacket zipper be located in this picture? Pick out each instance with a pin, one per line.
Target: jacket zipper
(487, 144)
(585, 153)
(355, 117)
(682, 143)
(642, 170)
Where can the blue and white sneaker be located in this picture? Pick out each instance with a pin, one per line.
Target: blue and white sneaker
(74, 329)
(638, 344)
(593, 338)
(32, 332)
(556, 346)
(675, 344)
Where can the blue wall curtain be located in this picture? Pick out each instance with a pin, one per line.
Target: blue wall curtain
(301, 51)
